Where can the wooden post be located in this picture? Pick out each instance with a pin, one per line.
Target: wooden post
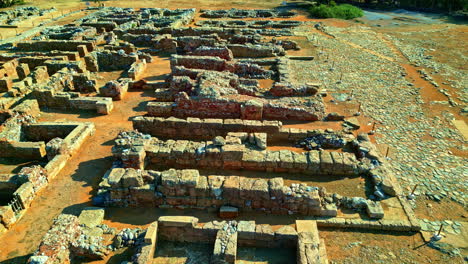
(388, 150)
(414, 188)
(373, 126)
(440, 229)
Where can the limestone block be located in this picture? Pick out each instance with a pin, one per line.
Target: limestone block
(5, 84)
(275, 186)
(264, 233)
(115, 176)
(151, 233)
(188, 177)
(177, 221)
(300, 161)
(231, 188)
(202, 188)
(91, 216)
(216, 183)
(261, 140)
(286, 159)
(313, 160)
(326, 162)
(286, 235)
(132, 178)
(246, 230)
(374, 210)
(7, 216)
(22, 70)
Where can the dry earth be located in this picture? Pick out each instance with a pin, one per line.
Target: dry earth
(380, 64)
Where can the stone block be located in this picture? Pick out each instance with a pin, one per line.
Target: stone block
(286, 235)
(5, 84)
(374, 210)
(132, 178)
(246, 230)
(91, 216)
(264, 233)
(115, 176)
(231, 188)
(177, 221)
(7, 216)
(22, 71)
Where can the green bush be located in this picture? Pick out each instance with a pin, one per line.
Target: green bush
(8, 3)
(344, 11)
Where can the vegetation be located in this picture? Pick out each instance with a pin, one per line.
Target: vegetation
(332, 10)
(8, 3)
(434, 5)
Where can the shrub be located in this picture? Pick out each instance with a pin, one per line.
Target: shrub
(344, 11)
(8, 3)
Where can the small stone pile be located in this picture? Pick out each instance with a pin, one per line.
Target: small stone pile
(128, 237)
(321, 140)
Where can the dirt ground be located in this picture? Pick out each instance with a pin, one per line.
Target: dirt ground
(74, 186)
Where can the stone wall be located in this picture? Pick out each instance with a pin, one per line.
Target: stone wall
(196, 128)
(49, 45)
(232, 107)
(186, 188)
(32, 180)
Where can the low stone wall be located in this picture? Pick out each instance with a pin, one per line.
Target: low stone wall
(188, 189)
(247, 13)
(256, 51)
(49, 45)
(115, 89)
(33, 179)
(259, 24)
(24, 150)
(236, 153)
(50, 94)
(54, 248)
(220, 51)
(226, 236)
(212, 63)
(136, 69)
(206, 129)
(196, 128)
(236, 106)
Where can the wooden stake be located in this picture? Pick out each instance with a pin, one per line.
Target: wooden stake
(440, 229)
(388, 150)
(373, 126)
(341, 76)
(414, 188)
(359, 108)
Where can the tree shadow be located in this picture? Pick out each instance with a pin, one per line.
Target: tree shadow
(17, 260)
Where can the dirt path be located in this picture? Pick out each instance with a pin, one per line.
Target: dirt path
(71, 190)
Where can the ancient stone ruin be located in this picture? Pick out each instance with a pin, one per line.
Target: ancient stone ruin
(226, 132)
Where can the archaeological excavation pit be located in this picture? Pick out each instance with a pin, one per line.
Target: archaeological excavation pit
(188, 135)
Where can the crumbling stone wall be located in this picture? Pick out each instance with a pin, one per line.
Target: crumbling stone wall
(237, 153)
(126, 187)
(49, 45)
